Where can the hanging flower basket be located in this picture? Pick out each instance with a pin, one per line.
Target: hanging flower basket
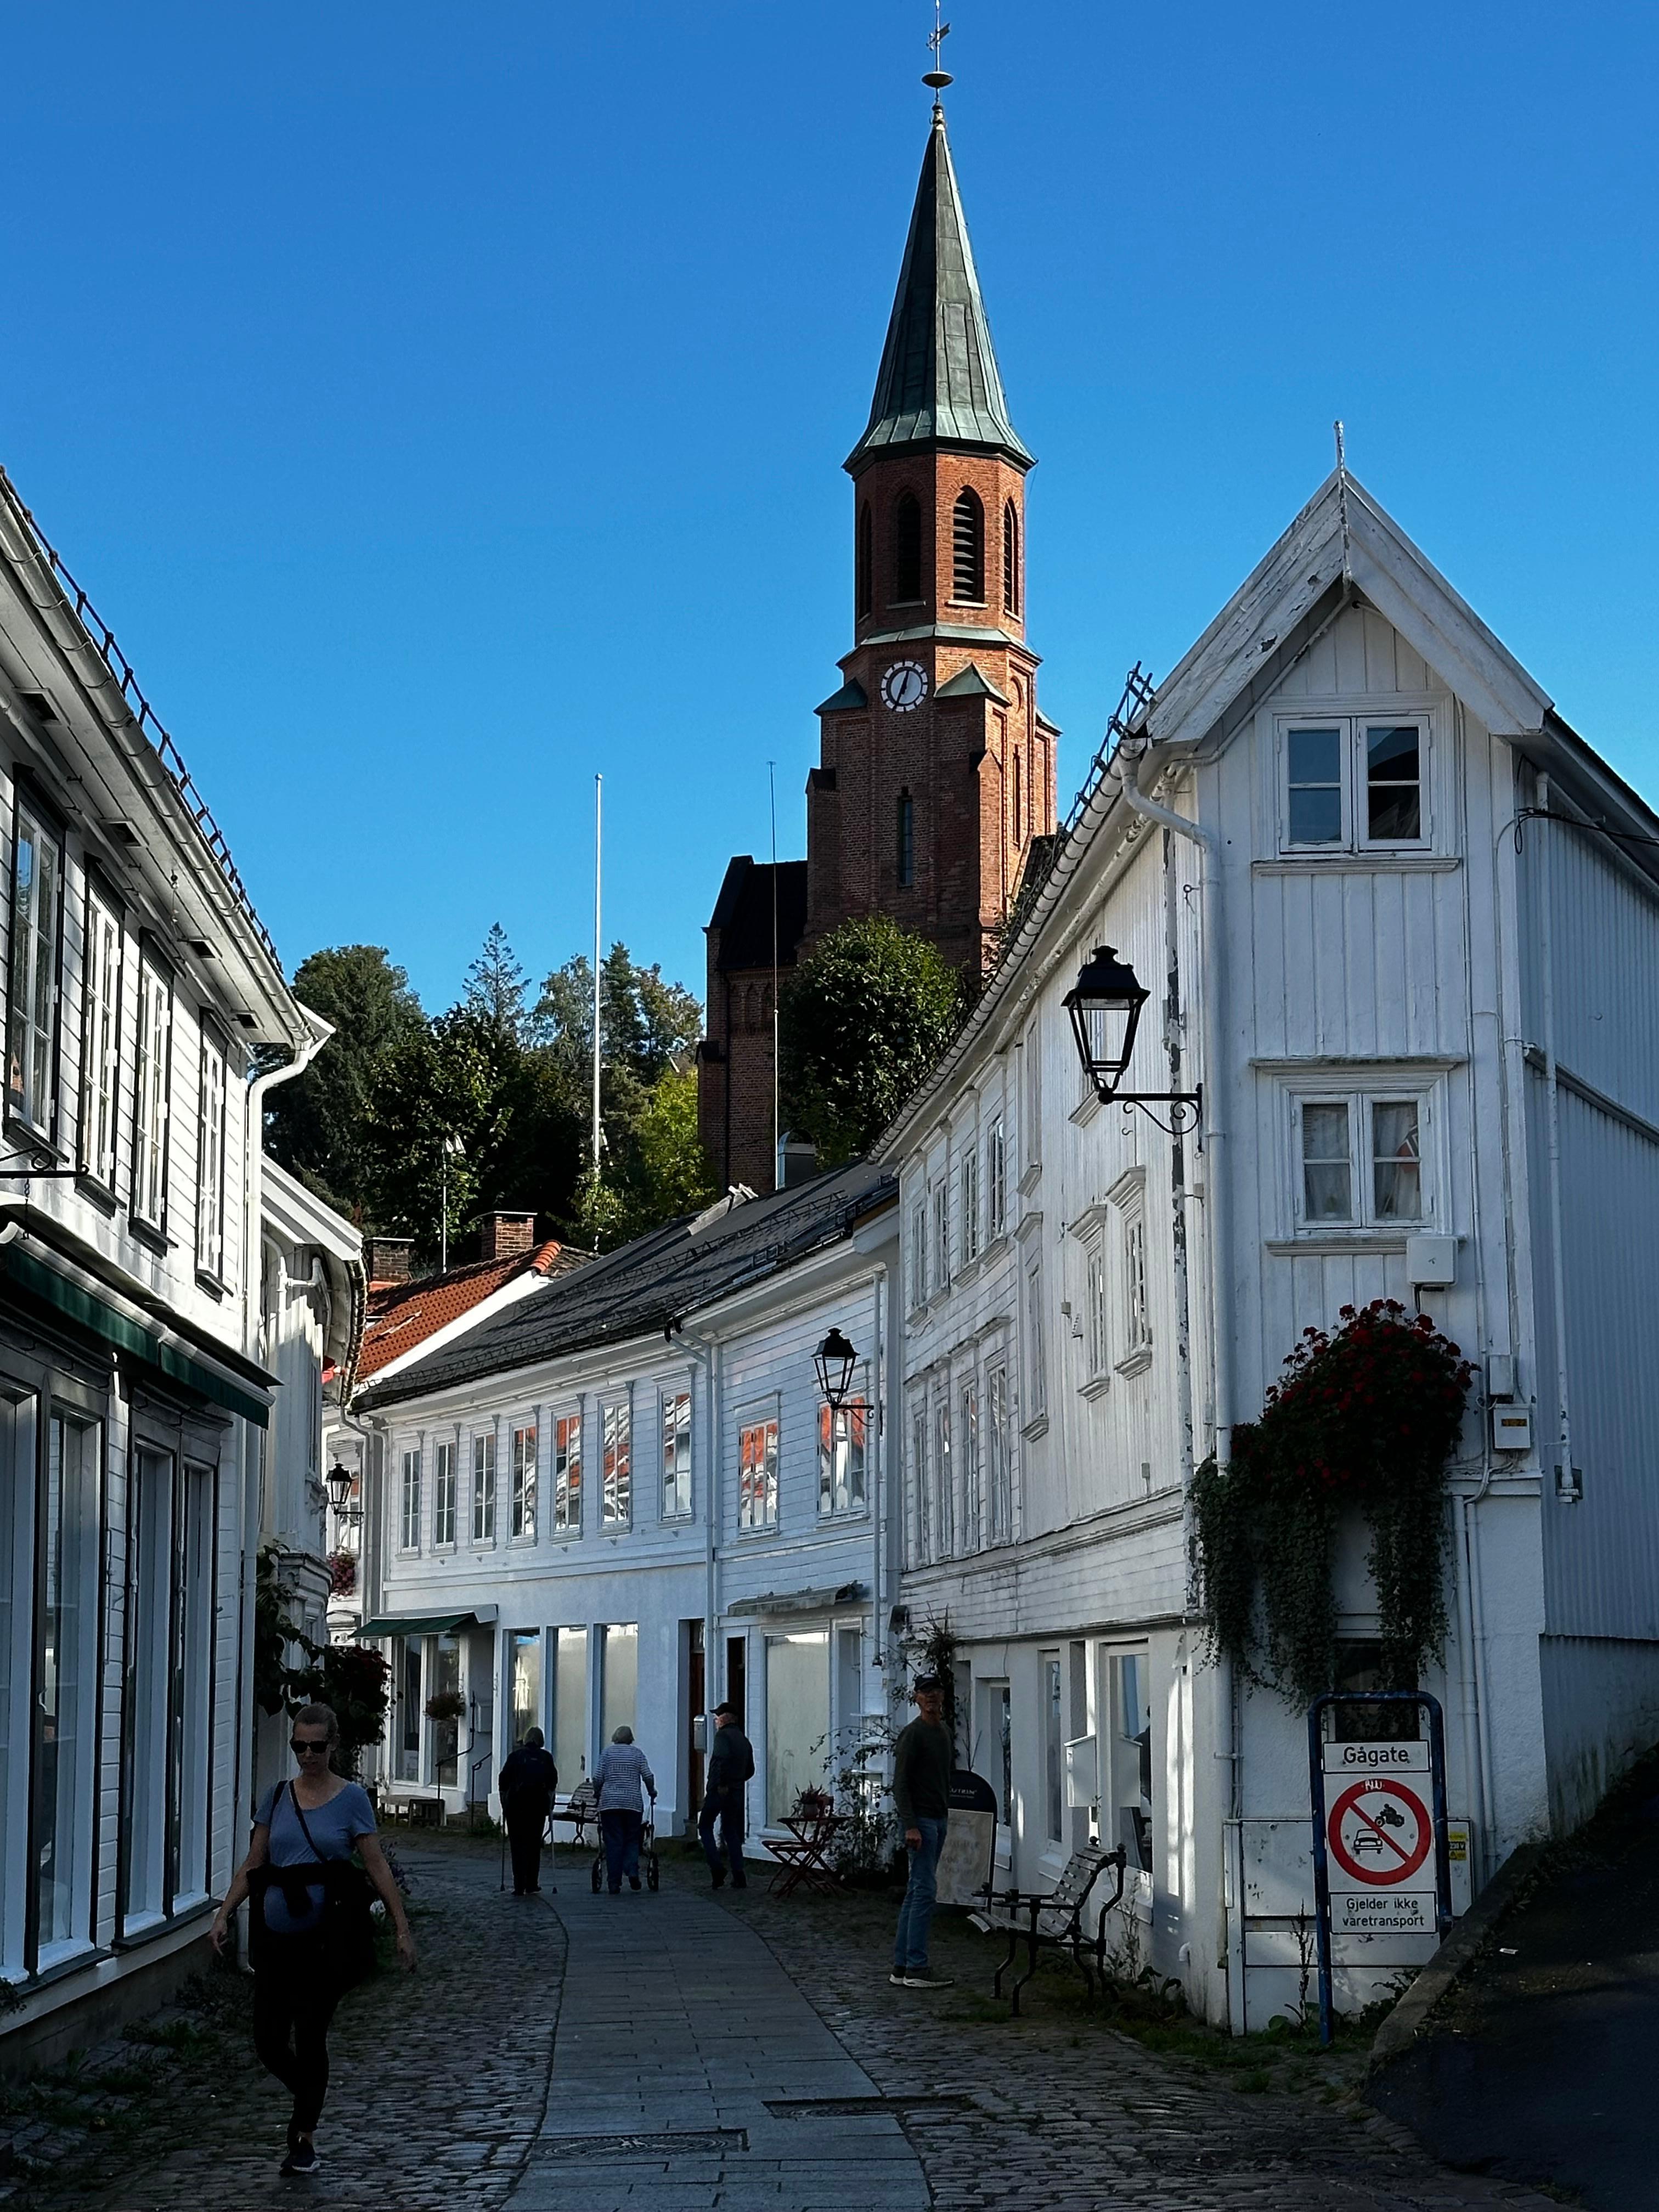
(444, 1705)
(341, 1568)
(1364, 1419)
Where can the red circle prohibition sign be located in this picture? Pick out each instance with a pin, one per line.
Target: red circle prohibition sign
(1398, 1864)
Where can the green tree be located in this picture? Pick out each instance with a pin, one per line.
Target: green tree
(455, 1080)
(317, 1126)
(497, 985)
(861, 1022)
(663, 1170)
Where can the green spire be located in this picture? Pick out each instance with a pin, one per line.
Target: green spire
(938, 383)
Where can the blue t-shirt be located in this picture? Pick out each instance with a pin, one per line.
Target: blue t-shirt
(335, 1827)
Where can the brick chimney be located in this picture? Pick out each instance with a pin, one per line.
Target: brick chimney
(389, 1259)
(506, 1236)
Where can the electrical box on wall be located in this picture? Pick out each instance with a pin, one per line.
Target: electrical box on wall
(1511, 1428)
(1082, 1771)
(1430, 1261)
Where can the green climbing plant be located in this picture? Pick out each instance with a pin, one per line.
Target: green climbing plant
(1367, 1416)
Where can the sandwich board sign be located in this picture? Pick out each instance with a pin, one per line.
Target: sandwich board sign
(1381, 1851)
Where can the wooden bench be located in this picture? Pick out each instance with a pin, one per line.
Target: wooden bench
(1055, 1917)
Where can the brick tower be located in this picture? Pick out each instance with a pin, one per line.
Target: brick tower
(936, 770)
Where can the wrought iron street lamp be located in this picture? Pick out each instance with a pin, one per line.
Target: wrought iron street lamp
(1105, 1005)
(834, 1360)
(339, 1480)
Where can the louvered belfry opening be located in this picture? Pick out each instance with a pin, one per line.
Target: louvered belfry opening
(864, 565)
(967, 547)
(1011, 558)
(906, 549)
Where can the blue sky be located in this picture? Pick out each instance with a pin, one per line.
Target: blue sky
(444, 404)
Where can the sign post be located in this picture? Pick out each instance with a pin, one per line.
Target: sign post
(1381, 1852)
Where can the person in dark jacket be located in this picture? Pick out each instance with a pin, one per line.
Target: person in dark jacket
(922, 1759)
(730, 1763)
(527, 1781)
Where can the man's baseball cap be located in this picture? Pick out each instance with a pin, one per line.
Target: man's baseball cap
(924, 1682)
(725, 1707)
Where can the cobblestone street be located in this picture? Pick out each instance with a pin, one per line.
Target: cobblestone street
(766, 2033)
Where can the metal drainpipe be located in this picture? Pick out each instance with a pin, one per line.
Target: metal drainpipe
(1128, 763)
(253, 1154)
(702, 1349)
(1557, 1273)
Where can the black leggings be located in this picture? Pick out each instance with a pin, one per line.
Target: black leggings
(294, 2001)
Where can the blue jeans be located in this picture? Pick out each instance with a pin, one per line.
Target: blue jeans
(916, 1913)
(621, 1831)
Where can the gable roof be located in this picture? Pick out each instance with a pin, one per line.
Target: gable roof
(653, 1284)
(402, 1317)
(938, 383)
(743, 913)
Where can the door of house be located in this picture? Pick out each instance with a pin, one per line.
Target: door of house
(696, 1691)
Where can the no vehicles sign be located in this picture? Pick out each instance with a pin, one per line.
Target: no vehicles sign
(1380, 1833)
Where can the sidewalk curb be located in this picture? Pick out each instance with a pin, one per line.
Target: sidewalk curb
(1455, 1956)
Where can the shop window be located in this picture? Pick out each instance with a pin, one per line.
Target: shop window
(570, 1705)
(1129, 1763)
(145, 1690)
(797, 1717)
(993, 1743)
(524, 1676)
(1054, 1750)
(619, 1677)
(66, 1698)
(445, 1679)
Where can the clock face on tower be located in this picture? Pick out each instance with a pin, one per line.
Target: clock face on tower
(904, 686)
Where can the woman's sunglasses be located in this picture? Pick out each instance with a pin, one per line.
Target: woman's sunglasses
(306, 1746)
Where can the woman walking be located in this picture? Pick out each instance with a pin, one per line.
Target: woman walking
(314, 1820)
(621, 1771)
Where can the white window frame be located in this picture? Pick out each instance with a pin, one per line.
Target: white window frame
(152, 1114)
(1361, 1095)
(35, 969)
(522, 1459)
(996, 1179)
(567, 1473)
(408, 1528)
(1129, 1286)
(212, 1118)
(483, 1485)
(998, 1454)
(1121, 1763)
(943, 1475)
(1035, 1408)
(919, 1520)
(1353, 750)
(970, 1450)
(1096, 1312)
(919, 1252)
(843, 1459)
(676, 1432)
(616, 1464)
(757, 1501)
(1031, 1104)
(967, 1183)
(103, 944)
(941, 1231)
(444, 1500)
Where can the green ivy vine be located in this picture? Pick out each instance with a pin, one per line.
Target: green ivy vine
(1367, 1416)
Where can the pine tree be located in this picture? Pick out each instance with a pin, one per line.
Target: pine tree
(497, 985)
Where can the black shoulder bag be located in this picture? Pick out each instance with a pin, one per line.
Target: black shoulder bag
(348, 1928)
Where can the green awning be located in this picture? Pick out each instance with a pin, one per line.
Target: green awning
(424, 1623)
(100, 1320)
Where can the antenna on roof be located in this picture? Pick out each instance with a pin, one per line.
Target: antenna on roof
(938, 76)
(1342, 499)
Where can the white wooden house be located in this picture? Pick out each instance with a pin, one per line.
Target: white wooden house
(1391, 909)
(624, 1496)
(134, 1394)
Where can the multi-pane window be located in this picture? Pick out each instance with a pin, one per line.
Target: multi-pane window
(1033, 1065)
(945, 1515)
(100, 1042)
(998, 1456)
(758, 1475)
(1037, 1380)
(1054, 1751)
(1137, 1315)
(151, 1092)
(841, 1442)
(968, 1446)
(210, 1106)
(968, 1206)
(37, 883)
(919, 1252)
(1095, 1309)
(1354, 783)
(1126, 1817)
(409, 1534)
(65, 1698)
(1361, 1161)
(996, 1180)
(677, 1454)
(616, 1474)
(942, 1233)
(568, 1473)
(443, 1494)
(524, 1481)
(483, 1487)
(920, 1517)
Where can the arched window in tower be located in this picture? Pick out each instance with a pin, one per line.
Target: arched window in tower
(906, 549)
(1019, 827)
(1011, 558)
(864, 565)
(907, 840)
(968, 546)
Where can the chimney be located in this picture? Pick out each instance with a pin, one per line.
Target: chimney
(388, 1259)
(506, 1236)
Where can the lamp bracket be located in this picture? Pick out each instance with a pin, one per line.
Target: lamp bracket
(1185, 1106)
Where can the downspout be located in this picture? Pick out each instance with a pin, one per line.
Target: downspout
(702, 1349)
(1565, 1486)
(1129, 763)
(253, 1155)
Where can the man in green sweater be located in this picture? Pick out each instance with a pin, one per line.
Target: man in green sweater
(922, 1759)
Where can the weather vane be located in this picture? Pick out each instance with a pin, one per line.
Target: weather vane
(936, 76)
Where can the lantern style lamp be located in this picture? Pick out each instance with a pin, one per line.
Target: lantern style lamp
(1104, 1005)
(834, 1360)
(339, 1480)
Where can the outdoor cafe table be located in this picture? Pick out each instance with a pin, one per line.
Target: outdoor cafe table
(802, 1861)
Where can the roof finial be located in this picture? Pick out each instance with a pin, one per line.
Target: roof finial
(937, 77)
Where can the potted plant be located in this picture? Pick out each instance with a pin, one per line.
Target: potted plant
(444, 1705)
(341, 1569)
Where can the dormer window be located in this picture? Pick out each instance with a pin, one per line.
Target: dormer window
(968, 548)
(906, 549)
(1352, 784)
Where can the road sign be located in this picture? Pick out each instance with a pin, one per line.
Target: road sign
(1379, 1832)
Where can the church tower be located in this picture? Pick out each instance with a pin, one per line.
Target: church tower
(936, 770)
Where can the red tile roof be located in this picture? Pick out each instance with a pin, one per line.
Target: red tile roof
(404, 1315)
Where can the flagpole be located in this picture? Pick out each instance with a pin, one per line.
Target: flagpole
(599, 788)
